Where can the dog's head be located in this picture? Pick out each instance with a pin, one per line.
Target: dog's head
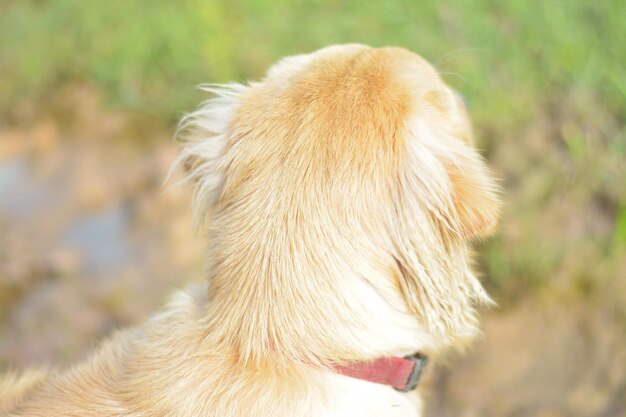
(346, 167)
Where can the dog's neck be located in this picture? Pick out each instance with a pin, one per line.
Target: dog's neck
(279, 319)
(324, 289)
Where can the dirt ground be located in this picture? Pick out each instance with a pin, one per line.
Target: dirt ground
(91, 240)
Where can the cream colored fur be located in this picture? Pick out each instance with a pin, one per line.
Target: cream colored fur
(339, 194)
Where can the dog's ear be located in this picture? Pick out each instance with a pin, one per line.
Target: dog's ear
(204, 134)
(474, 194)
(447, 196)
(473, 190)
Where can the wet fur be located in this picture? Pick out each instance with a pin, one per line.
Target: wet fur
(339, 194)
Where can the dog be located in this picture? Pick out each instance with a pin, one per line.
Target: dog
(340, 195)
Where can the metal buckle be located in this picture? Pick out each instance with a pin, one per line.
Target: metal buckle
(419, 363)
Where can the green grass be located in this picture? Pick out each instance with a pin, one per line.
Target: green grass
(507, 57)
(545, 82)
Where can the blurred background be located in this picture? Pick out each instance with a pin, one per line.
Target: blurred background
(90, 239)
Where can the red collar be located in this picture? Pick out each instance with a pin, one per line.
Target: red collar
(401, 373)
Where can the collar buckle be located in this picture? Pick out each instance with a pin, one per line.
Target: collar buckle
(419, 363)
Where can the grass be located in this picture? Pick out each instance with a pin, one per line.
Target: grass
(545, 82)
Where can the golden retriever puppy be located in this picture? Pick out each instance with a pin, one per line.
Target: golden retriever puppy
(340, 195)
